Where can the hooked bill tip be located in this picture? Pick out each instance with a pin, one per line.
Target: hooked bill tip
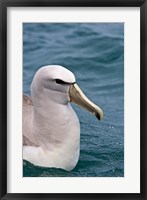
(97, 116)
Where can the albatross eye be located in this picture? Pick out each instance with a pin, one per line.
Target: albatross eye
(58, 81)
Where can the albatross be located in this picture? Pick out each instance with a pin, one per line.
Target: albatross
(51, 128)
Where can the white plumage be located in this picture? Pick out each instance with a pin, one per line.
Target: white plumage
(51, 129)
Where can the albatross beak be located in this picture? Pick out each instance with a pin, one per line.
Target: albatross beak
(78, 97)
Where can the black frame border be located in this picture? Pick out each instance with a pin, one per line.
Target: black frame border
(4, 4)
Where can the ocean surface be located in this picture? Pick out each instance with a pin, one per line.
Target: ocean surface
(94, 52)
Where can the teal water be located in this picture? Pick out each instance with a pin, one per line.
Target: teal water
(94, 52)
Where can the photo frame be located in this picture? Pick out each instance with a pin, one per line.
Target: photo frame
(4, 107)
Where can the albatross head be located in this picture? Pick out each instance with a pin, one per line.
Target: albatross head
(62, 88)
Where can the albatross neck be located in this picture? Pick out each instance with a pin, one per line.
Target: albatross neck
(53, 124)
